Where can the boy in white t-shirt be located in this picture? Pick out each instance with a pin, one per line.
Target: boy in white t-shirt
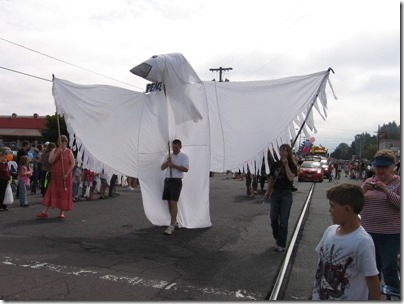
(347, 264)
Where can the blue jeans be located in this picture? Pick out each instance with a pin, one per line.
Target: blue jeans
(280, 204)
(75, 190)
(387, 249)
(22, 188)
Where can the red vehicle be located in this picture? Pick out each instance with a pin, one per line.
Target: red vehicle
(311, 171)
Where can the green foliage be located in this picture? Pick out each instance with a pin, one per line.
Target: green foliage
(370, 150)
(343, 151)
(389, 131)
(50, 133)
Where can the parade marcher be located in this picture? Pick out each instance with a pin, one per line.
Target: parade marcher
(59, 193)
(280, 189)
(175, 167)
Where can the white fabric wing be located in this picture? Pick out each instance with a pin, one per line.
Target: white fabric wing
(246, 117)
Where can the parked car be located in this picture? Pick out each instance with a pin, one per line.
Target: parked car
(311, 171)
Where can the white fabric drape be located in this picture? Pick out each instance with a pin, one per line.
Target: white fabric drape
(222, 125)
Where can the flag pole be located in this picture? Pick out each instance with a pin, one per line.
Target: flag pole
(61, 152)
(169, 155)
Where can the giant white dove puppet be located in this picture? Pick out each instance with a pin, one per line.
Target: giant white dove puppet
(222, 125)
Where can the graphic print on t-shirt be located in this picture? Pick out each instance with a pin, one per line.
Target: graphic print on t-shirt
(331, 279)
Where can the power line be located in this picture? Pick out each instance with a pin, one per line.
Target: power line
(1, 67)
(65, 62)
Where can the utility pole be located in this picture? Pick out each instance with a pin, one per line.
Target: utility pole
(220, 72)
(359, 136)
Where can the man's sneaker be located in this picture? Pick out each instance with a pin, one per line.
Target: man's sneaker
(279, 248)
(170, 229)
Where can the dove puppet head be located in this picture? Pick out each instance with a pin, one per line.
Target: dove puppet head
(180, 83)
(170, 69)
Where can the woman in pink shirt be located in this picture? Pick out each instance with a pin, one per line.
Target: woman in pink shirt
(381, 214)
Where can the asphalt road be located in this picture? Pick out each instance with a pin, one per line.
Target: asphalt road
(106, 250)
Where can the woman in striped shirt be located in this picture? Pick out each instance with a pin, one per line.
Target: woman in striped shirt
(380, 215)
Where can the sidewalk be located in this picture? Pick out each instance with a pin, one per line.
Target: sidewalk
(305, 262)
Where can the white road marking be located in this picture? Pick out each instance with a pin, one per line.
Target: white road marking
(134, 281)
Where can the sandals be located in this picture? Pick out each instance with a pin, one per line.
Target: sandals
(42, 215)
(45, 215)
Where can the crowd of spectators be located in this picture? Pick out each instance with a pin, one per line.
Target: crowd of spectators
(87, 185)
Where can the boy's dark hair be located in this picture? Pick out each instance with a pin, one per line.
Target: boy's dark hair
(347, 194)
(177, 142)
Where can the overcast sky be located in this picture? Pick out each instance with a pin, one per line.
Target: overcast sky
(259, 40)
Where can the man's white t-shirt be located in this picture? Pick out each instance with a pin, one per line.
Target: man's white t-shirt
(181, 159)
(344, 263)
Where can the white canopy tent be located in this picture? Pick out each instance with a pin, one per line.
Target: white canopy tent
(222, 125)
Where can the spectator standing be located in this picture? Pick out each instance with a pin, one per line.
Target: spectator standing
(280, 189)
(4, 176)
(347, 263)
(397, 169)
(46, 167)
(346, 169)
(104, 184)
(381, 216)
(59, 193)
(76, 178)
(132, 182)
(21, 152)
(13, 167)
(112, 186)
(37, 168)
(23, 180)
(89, 182)
(330, 172)
(338, 170)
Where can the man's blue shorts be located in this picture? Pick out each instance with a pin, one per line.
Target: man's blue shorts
(172, 189)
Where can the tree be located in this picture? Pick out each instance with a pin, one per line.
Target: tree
(365, 144)
(389, 131)
(370, 150)
(50, 133)
(343, 151)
